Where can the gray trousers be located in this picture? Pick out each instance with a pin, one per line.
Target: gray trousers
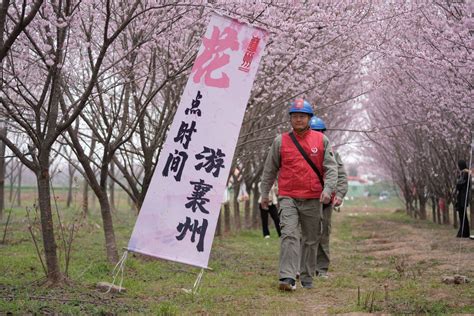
(322, 261)
(307, 213)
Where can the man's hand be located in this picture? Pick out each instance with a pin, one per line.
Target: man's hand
(325, 198)
(337, 201)
(264, 203)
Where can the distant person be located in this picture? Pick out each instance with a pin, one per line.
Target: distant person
(307, 174)
(322, 261)
(272, 210)
(463, 189)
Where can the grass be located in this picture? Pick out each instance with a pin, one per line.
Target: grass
(374, 202)
(242, 278)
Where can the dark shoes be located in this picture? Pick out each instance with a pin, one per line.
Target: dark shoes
(307, 285)
(323, 274)
(287, 284)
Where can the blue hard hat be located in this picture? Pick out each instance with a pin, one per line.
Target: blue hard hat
(301, 106)
(317, 124)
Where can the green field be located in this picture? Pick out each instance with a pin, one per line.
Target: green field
(243, 270)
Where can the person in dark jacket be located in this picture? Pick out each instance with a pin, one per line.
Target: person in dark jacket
(272, 210)
(463, 189)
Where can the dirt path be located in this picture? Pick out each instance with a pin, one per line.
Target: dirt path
(416, 242)
(384, 257)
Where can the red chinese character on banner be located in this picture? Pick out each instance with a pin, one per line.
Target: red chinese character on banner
(249, 54)
(213, 57)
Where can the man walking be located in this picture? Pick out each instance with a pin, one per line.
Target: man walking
(322, 259)
(301, 159)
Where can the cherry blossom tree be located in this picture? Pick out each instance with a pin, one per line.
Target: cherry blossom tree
(421, 107)
(37, 69)
(394, 76)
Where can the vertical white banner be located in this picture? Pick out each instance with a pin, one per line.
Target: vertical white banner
(179, 215)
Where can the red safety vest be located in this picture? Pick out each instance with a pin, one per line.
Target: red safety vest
(296, 178)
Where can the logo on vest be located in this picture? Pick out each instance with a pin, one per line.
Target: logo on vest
(299, 103)
(314, 151)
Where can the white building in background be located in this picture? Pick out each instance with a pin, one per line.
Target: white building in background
(357, 186)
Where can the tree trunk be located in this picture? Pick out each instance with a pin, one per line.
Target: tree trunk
(255, 208)
(407, 198)
(110, 245)
(423, 208)
(236, 209)
(12, 183)
(446, 213)
(471, 210)
(248, 224)
(112, 187)
(236, 206)
(415, 208)
(455, 217)
(133, 206)
(18, 187)
(3, 131)
(433, 209)
(85, 199)
(70, 184)
(218, 227)
(438, 211)
(409, 207)
(100, 192)
(226, 217)
(47, 226)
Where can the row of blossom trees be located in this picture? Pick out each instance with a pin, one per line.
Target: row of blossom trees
(97, 83)
(422, 109)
